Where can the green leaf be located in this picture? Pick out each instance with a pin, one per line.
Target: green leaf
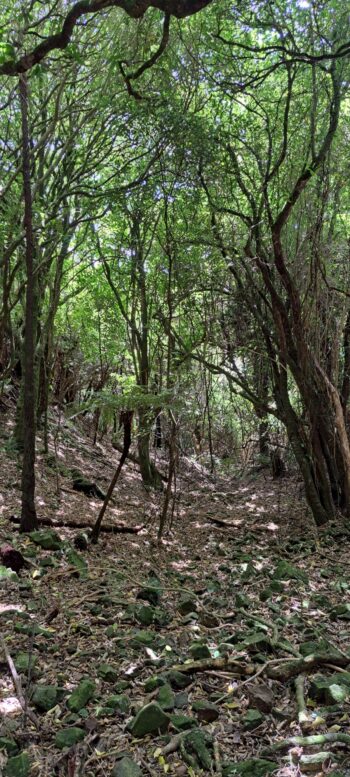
(7, 53)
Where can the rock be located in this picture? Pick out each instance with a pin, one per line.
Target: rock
(146, 638)
(341, 611)
(113, 630)
(121, 686)
(196, 744)
(7, 574)
(81, 695)
(119, 703)
(249, 573)
(81, 541)
(9, 745)
(276, 587)
(11, 558)
(144, 615)
(150, 594)
(68, 737)
(319, 646)
(329, 690)
(18, 766)
(286, 571)
(252, 719)
(187, 604)
(108, 673)
(242, 601)
(205, 711)
(80, 483)
(177, 680)
(151, 719)
(261, 697)
(126, 768)
(199, 650)
(255, 641)
(154, 682)
(209, 620)
(265, 594)
(166, 697)
(33, 629)
(47, 561)
(76, 560)
(252, 767)
(182, 722)
(181, 700)
(46, 539)
(26, 663)
(45, 697)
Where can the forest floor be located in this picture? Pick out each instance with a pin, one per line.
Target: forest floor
(243, 597)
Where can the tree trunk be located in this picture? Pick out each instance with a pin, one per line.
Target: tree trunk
(149, 474)
(28, 511)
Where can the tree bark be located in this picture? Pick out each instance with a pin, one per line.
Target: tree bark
(28, 512)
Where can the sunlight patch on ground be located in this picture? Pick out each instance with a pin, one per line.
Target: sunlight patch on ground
(10, 607)
(9, 706)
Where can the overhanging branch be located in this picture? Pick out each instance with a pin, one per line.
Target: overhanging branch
(134, 8)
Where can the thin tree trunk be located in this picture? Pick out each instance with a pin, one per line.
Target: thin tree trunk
(171, 476)
(126, 421)
(28, 511)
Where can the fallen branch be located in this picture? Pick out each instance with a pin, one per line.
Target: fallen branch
(117, 528)
(292, 669)
(315, 739)
(18, 687)
(275, 668)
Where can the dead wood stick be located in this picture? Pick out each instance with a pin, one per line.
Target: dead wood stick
(275, 668)
(18, 686)
(315, 739)
(118, 528)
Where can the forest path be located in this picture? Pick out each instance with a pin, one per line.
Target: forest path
(233, 598)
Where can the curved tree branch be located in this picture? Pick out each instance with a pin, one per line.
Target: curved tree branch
(134, 8)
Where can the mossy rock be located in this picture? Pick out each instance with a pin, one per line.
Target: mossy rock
(196, 748)
(144, 615)
(46, 539)
(108, 673)
(151, 719)
(126, 767)
(9, 745)
(183, 722)
(177, 680)
(286, 571)
(151, 594)
(199, 650)
(18, 766)
(7, 574)
(26, 663)
(329, 690)
(154, 682)
(146, 638)
(166, 697)
(81, 695)
(341, 612)
(252, 719)
(68, 737)
(206, 711)
(187, 604)
(119, 703)
(45, 697)
(317, 646)
(252, 767)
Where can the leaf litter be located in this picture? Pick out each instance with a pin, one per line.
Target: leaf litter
(193, 657)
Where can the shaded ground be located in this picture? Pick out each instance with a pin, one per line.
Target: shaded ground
(220, 596)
